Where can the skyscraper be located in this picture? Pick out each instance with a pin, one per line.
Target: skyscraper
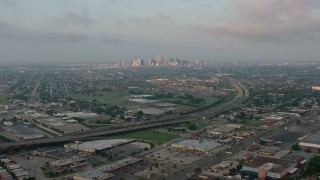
(160, 60)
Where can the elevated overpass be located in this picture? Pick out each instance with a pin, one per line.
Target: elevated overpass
(105, 131)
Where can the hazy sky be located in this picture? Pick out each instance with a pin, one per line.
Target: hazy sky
(109, 30)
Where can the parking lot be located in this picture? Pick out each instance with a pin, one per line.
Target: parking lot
(125, 150)
(129, 172)
(32, 165)
(175, 155)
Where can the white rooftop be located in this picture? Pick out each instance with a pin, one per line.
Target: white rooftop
(204, 144)
(92, 146)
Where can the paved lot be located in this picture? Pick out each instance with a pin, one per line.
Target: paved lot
(125, 150)
(33, 165)
(130, 171)
(175, 155)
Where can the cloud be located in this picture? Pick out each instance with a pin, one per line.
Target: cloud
(151, 20)
(75, 19)
(270, 21)
(164, 17)
(8, 3)
(14, 33)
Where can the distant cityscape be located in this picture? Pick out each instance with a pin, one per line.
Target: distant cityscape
(186, 120)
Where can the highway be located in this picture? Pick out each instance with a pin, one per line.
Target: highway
(105, 131)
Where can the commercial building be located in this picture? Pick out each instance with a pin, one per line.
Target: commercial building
(104, 172)
(272, 168)
(311, 142)
(92, 146)
(70, 162)
(202, 145)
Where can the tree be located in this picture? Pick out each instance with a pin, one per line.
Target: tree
(295, 147)
(308, 151)
(198, 170)
(311, 170)
(242, 115)
(313, 167)
(140, 114)
(192, 127)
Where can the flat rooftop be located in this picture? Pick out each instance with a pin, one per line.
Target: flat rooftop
(203, 144)
(313, 138)
(104, 171)
(25, 131)
(278, 165)
(99, 144)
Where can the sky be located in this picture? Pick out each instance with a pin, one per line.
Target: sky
(101, 31)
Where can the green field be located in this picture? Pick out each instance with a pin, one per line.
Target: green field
(4, 99)
(113, 98)
(100, 121)
(186, 103)
(149, 135)
(199, 125)
(253, 123)
(208, 99)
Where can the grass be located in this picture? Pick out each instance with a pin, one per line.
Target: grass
(4, 99)
(149, 135)
(114, 98)
(98, 163)
(99, 121)
(185, 102)
(199, 125)
(208, 99)
(252, 123)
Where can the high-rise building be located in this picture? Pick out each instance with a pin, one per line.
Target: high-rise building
(151, 62)
(160, 60)
(136, 63)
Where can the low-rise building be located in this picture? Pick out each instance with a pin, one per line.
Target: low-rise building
(202, 145)
(311, 142)
(272, 168)
(93, 146)
(104, 172)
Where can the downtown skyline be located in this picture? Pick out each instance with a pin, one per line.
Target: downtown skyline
(104, 31)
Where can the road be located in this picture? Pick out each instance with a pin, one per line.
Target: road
(105, 131)
(34, 91)
(66, 89)
(189, 171)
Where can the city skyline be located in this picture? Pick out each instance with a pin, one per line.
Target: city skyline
(68, 31)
